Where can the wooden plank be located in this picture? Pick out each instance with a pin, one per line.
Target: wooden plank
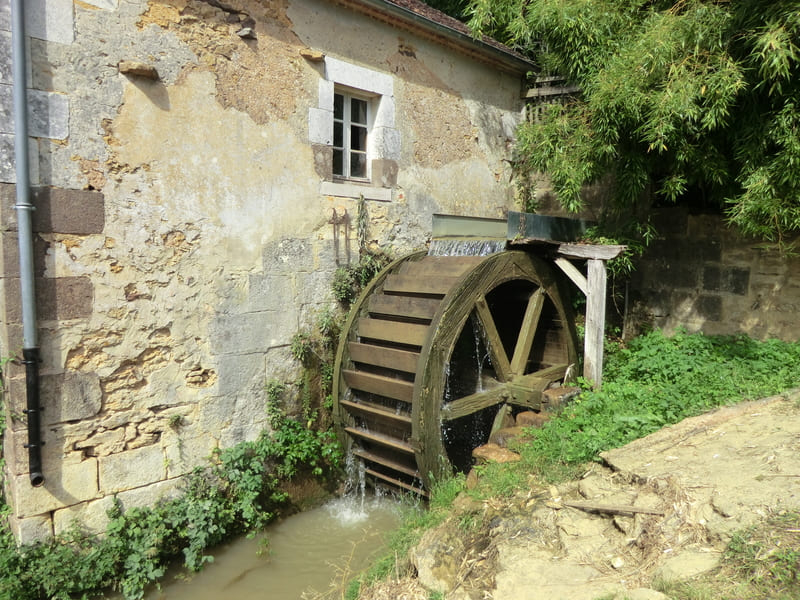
(575, 276)
(423, 284)
(443, 266)
(473, 403)
(397, 482)
(595, 323)
(527, 331)
(386, 462)
(496, 350)
(379, 356)
(383, 440)
(411, 307)
(592, 251)
(392, 331)
(377, 384)
(380, 413)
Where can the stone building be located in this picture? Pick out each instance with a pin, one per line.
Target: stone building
(188, 159)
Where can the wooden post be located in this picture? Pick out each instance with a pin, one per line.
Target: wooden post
(594, 286)
(595, 322)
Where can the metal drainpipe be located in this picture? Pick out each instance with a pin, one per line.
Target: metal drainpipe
(24, 208)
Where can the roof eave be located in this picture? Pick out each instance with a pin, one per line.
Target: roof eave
(398, 16)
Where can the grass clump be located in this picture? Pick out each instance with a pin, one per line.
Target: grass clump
(657, 381)
(761, 562)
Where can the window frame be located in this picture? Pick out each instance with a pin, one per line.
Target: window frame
(346, 149)
(383, 141)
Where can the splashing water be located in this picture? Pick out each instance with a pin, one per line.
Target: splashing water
(465, 247)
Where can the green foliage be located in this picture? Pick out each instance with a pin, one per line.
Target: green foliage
(316, 350)
(657, 381)
(768, 557)
(696, 100)
(349, 281)
(240, 491)
(636, 236)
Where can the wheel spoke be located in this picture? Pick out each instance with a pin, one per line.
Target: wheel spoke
(473, 403)
(527, 332)
(500, 362)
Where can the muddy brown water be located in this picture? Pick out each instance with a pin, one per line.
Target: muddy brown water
(306, 554)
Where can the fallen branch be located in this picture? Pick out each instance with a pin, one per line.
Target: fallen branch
(613, 509)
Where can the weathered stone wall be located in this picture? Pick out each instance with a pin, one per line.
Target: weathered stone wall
(182, 229)
(703, 276)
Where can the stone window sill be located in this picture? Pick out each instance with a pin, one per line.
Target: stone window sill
(355, 190)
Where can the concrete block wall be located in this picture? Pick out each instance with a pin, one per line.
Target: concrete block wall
(704, 276)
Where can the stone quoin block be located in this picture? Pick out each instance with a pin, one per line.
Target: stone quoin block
(64, 397)
(60, 298)
(30, 530)
(9, 254)
(65, 484)
(8, 198)
(64, 298)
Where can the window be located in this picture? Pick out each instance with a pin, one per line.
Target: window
(350, 130)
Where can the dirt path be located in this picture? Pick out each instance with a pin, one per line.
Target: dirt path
(688, 486)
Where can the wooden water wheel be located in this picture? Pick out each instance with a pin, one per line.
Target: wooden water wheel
(432, 350)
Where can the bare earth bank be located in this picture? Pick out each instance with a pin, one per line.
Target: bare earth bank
(662, 507)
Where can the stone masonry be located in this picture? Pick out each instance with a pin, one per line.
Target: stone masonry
(182, 167)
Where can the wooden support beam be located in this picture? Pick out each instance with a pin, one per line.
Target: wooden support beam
(595, 251)
(594, 287)
(595, 322)
(574, 275)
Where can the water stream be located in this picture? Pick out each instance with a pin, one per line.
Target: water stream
(307, 554)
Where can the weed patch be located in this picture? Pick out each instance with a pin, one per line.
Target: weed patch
(240, 491)
(761, 562)
(657, 381)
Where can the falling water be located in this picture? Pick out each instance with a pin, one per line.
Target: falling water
(465, 247)
(480, 357)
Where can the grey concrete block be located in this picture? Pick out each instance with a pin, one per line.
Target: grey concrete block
(5, 53)
(48, 115)
(709, 307)
(50, 20)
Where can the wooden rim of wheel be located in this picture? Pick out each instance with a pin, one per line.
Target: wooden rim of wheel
(392, 378)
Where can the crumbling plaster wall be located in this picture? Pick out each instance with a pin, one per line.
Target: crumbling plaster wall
(182, 237)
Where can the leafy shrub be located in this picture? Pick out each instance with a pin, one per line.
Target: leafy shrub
(238, 492)
(658, 380)
(349, 281)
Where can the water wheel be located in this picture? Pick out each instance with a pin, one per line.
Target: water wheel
(435, 347)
